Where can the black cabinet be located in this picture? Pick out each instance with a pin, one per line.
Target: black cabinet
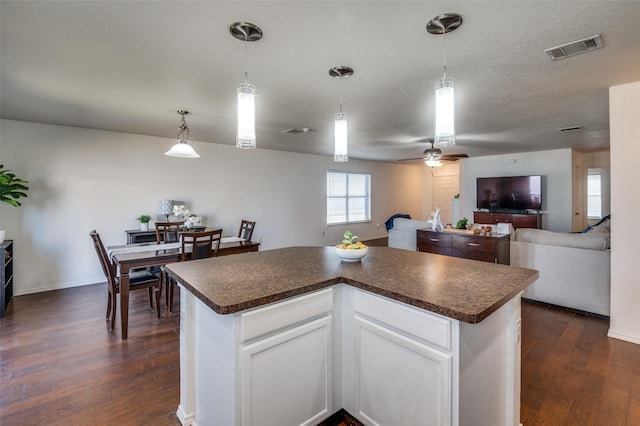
(6, 275)
(137, 236)
(495, 248)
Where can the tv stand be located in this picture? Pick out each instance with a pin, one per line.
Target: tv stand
(518, 220)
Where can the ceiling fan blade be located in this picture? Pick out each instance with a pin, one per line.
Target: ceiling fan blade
(453, 157)
(411, 159)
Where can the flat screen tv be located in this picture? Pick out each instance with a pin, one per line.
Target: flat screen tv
(509, 193)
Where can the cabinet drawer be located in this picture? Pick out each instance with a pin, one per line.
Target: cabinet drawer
(426, 327)
(272, 318)
(474, 244)
(447, 251)
(434, 239)
(475, 255)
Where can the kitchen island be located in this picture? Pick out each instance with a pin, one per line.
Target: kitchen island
(290, 336)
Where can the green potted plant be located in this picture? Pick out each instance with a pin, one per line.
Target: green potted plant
(462, 223)
(144, 222)
(12, 189)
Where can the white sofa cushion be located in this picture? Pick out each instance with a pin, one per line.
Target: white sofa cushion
(591, 241)
(403, 224)
(403, 235)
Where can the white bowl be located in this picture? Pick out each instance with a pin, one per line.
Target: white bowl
(351, 255)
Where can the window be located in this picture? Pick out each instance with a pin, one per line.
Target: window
(594, 195)
(348, 197)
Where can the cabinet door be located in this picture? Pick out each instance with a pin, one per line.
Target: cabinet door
(286, 378)
(400, 381)
(481, 217)
(526, 221)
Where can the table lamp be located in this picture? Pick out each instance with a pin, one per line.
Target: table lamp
(164, 208)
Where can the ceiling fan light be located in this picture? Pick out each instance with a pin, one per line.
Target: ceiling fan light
(445, 134)
(340, 137)
(433, 163)
(246, 132)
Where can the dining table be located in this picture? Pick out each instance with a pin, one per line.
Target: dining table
(128, 257)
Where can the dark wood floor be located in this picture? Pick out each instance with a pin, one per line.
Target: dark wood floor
(59, 365)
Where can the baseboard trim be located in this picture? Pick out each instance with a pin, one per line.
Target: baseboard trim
(186, 420)
(32, 290)
(625, 337)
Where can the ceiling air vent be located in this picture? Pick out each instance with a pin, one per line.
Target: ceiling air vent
(575, 47)
(570, 128)
(296, 131)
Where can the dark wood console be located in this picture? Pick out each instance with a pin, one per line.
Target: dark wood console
(137, 236)
(518, 220)
(495, 249)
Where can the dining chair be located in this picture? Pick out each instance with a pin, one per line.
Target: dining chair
(195, 245)
(168, 232)
(246, 230)
(139, 279)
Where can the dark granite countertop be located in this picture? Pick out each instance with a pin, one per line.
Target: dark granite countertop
(462, 289)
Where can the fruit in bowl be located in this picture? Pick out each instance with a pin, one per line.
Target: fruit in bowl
(351, 250)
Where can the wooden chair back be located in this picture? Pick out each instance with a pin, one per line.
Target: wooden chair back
(168, 232)
(200, 245)
(246, 229)
(107, 267)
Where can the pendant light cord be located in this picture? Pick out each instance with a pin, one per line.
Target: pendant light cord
(444, 57)
(246, 66)
(341, 77)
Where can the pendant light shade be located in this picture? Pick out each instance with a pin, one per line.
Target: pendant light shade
(246, 131)
(445, 131)
(184, 144)
(340, 133)
(340, 138)
(246, 119)
(445, 134)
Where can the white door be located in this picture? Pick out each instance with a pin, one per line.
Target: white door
(443, 190)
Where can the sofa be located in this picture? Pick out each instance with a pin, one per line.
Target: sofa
(403, 235)
(574, 268)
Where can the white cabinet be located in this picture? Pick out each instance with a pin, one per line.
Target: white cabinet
(286, 377)
(403, 363)
(392, 370)
(387, 363)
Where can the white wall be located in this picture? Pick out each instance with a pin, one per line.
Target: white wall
(554, 166)
(81, 179)
(624, 104)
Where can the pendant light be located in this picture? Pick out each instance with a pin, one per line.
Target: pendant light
(246, 123)
(445, 134)
(340, 127)
(184, 145)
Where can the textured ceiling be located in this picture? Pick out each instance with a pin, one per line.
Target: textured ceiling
(128, 66)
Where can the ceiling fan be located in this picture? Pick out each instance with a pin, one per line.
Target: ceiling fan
(435, 154)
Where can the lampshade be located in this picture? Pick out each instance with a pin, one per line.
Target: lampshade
(246, 132)
(182, 150)
(165, 206)
(340, 137)
(183, 147)
(445, 131)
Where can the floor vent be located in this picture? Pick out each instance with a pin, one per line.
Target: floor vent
(575, 47)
